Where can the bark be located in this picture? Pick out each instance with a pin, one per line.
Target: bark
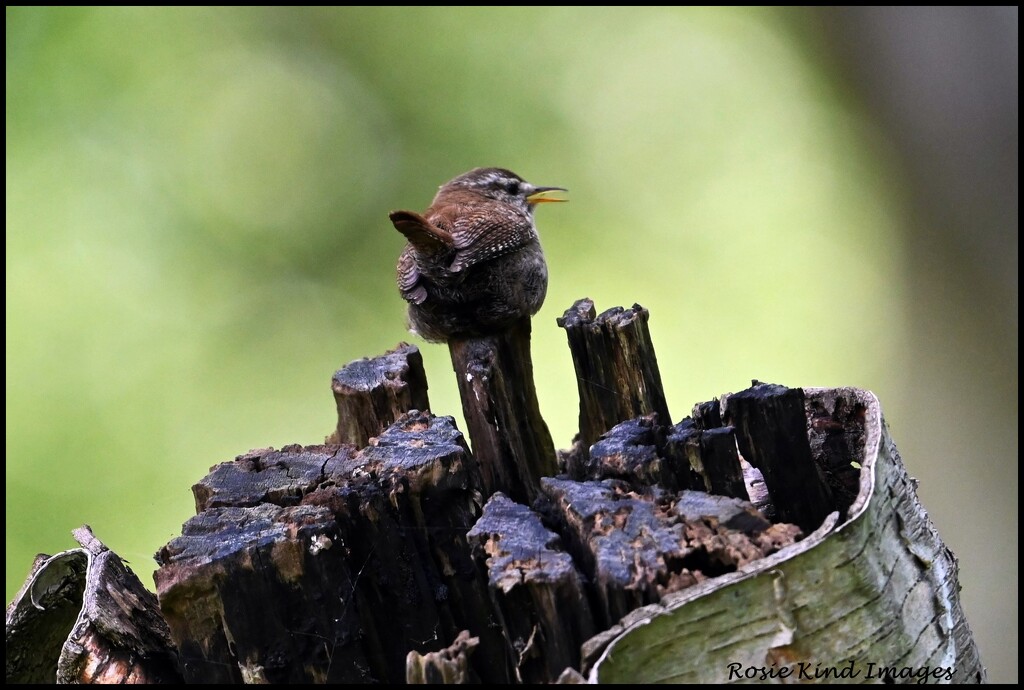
(84, 617)
(870, 598)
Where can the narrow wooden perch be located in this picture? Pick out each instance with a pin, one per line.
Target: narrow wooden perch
(499, 401)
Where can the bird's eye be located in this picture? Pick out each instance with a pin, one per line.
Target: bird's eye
(512, 188)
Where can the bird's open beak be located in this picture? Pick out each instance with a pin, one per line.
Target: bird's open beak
(543, 194)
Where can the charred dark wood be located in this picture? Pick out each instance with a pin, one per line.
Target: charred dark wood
(626, 451)
(371, 562)
(616, 369)
(636, 451)
(536, 590)
(634, 547)
(84, 617)
(710, 456)
(721, 463)
(406, 511)
(679, 441)
(510, 439)
(282, 477)
(372, 393)
(708, 415)
(262, 594)
(771, 431)
(715, 458)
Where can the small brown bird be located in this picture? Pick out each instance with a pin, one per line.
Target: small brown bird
(473, 264)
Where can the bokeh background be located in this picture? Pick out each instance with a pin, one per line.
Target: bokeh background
(197, 232)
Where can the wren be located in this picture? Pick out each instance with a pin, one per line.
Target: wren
(473, 264)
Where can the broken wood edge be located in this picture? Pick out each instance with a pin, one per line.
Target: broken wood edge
(367, 557)
(755, 612)
(616, 367)
(448, 666)
(41, 618)
(118, 634)
(372, 392)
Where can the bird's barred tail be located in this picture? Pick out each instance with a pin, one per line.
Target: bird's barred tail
(421, 233)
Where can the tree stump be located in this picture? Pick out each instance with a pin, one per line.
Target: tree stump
(773, 536)
(358, 559)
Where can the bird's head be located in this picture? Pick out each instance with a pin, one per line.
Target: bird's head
(501, 185)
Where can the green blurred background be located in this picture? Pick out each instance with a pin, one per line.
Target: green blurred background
(197, 232)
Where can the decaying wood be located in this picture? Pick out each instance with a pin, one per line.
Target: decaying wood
(262, 594)
(83, 617)
(378, 561)
(673, 541)
(450, 666)
(836, 431)
(636, 450)
(281, 477)
(616, 369)
(499, 401)
(536, 588)
(869, 598)
(708, 415)
(361, 567)
(720, 464)
(711, 454)
(771, 431)
(372, 393)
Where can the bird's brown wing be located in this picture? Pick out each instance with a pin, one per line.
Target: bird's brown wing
(481, 234)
